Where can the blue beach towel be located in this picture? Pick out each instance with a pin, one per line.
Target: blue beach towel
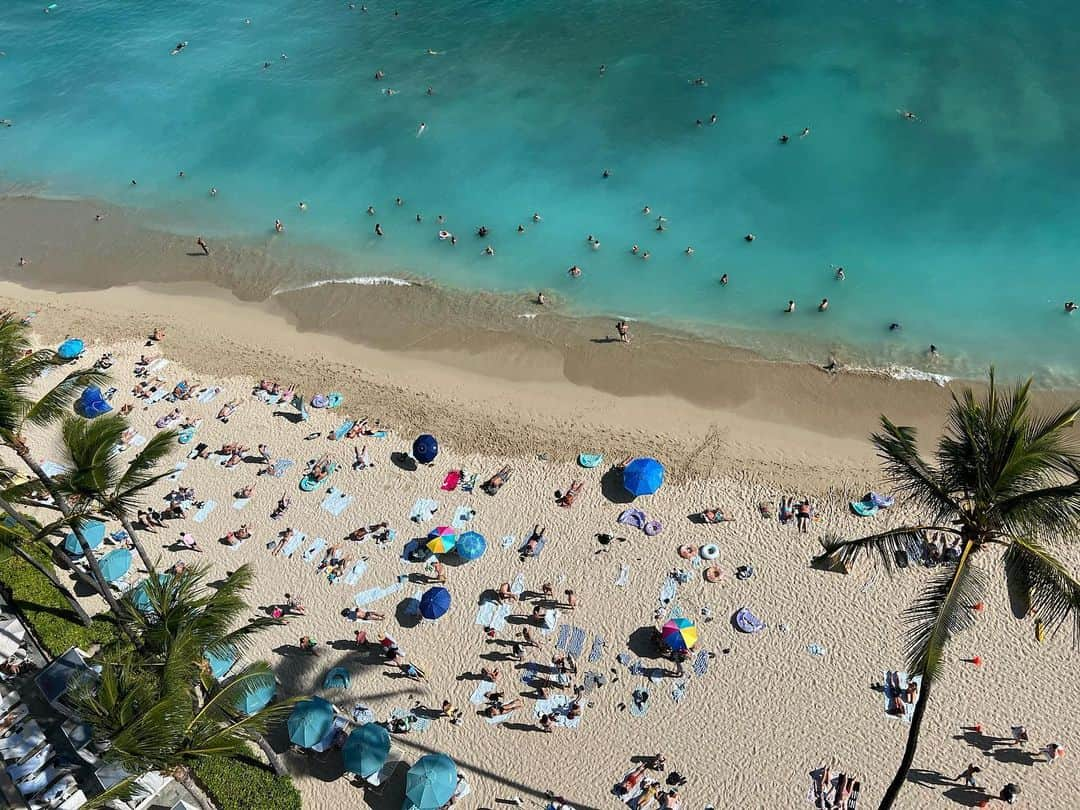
(281, 466)
(576, 645)
(354, 574)
(563, 637)
(344, 428)
(597, 649)
(293, 544)
(339, 504)
(314, 549)
(701, 663)
(365, 598)
(204, 513)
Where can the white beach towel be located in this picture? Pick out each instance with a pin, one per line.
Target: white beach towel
(179, 468)
(357, 571)
(293, 544)
(509, 542)
(477, 697)
(517, 587)
(887, 694)
(365, 598)
(205, 511)
(462, 516)
(240, 503)
(486, 613)
(157, 365)
(314, 549)
(551, 618)
(423, 510)
(499, 718)
(208, 395)
(624, 576)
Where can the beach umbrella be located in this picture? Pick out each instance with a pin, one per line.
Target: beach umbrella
(366, 749)
(70, 349)
(431, 781)
(434, 603)
(425, 448)
(679, 634)
(337, 678)
(115, 564)
(221, 662)
(261, 690)
(310, 721)
(471, 546)
(139, 597)
(442, 539)
(93, 531)
(643, 476)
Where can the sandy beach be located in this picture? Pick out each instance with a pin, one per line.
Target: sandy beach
(761, 711)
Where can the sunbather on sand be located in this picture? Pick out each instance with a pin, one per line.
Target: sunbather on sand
(567, 499)
(631, 780)
(529, 549)
(490, 674)
(320, 469)
(843, 790)
(332, 557)
(363, 460)
(283, 538)
(282, 505)
(368, 616)
(505, 594)
(244, 492)
(236, 457)
(228, 409)
(714, 515)
(497, 707)
(168, 418)
(367, 532)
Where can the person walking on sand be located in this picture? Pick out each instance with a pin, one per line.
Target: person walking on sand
(202, 244)
(624, 331)
(968, 775)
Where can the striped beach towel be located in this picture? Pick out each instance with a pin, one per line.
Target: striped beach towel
(597, 649)
(576, 645)
(701, 663)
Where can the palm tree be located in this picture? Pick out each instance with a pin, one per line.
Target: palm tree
(20, 368)
(1006, 484)
(95, 472)
(158, 708)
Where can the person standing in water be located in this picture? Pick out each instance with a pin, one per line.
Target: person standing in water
(790, 306)
(540, 300)
(824, 305)
(279, 226)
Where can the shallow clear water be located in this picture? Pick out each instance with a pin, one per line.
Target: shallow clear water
(960, 226)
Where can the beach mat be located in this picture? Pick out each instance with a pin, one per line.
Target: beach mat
(313, 550)
(357, 571)
(372, 594)
(205, 511)
(294, 543)
(462, 516)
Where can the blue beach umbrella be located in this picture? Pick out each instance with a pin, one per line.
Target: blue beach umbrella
(115, 564)
(310, 721)
(70, 349)
(431, 782)
(471, 546)
(366, 750)
(434, 603)
(220, 663)
(261, 691)
(643, 476)
(139, 598)
(337, 678)
(93, 531)
(425, 448)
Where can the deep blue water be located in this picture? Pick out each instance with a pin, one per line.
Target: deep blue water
(960, 225)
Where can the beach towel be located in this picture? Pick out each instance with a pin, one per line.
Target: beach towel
(508, 541)
(157, 365)
(517, 587)
(240, 503)
(205, 511)
(563, 637)
(888, 694)
(551, 619)
(486, 613)
(540, 543)
(880, 501)
(639, 703)
(590, 460)
(354, 573)
(157, 396)
(632, 517)
(336, 503)
(556, 707)
(293, 544)
(179, 468)
(462, 516)
(499, 718)
(653, 528)
(52, 469)
(236, 545)
(423, 510)
(309, 484)
(701, 663)
(668, 590)
(747, 622)
(597, 649)
(281, 466)
(624, 576)
(451, 481)
(576, 645)
(208, 395)
(314, 549)
(815, 649)
(343, 428)
(365, 598)
(679, 692)
(468, 484)
(478, 696)
(864, 508)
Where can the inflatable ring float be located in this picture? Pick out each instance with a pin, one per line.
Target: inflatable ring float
(686, 552)
(709, 551)
(713, 573)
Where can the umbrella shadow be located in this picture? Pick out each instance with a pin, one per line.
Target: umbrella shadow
(642, 643)
(611, 486)
(407, 612)
(404, 461)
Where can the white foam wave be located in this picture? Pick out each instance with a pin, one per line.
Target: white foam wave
(528, 315)
(360, 281)
(903, 373)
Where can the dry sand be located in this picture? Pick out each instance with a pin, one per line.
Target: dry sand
(748, 731)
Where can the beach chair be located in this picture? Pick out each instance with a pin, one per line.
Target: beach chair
(31, 765)
(18, 745)
(377, 781)
(39, 780)
(55, 794)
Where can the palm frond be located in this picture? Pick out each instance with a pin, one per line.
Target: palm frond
(1052, 511)
(56, 402)
(912, 477)
(941, 611)
(1050, 590)
(883, 546)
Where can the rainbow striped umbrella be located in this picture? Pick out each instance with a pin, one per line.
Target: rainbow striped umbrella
(679, 634)
(442, 540)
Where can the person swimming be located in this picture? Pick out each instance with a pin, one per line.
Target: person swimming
(790, 306)
(482, 231)
(371, 210)
(279, 226)
(895, 327)
(635, 249)
(646, 210)
(805, 132)
(840, 274)
(750, 237)
(933, 352)
(430, 91)
(489, 251)
(536, 217)
(824, 305)
(213, 191)
(724, 279)
(783, 139)
(379, 75)
(378, 229)
(908, 115)
(689, 251)
(420, 129)
(603, 69)
(179, 47)
(1070, 306)
(521, 229)
(540, 300)
(398, 201)
(419, 217)
(302, 205)
(713, 119)
(606, 173)
(574, 271)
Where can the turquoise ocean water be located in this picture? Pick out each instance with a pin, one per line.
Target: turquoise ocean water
(961, 226)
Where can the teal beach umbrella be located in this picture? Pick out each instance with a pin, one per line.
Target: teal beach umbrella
(93, 531)
(115, 564)
(261, 691)
(337, 678)
(221, 662)
(366, 750)
(471, 546)
(431, 782)
(310, 721)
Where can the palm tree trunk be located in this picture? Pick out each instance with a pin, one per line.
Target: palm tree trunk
(271, 756)
(24, 453)
(46, 572)
(908, 759)
(183, 776)
(147, 562)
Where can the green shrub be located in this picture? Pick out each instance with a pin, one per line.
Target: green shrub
(239, 784)
(47, 611)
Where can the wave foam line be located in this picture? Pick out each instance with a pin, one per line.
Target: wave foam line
(360, 281)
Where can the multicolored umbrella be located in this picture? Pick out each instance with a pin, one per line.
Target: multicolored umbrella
(679, 634)
(471, 546)
(434, 603)
(643, 476)
(310, 721)
(366, 750)
(442, 539)
(115, 564)
(431, 782)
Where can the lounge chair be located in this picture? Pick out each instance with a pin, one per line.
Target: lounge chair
(54, 794)
(36, 782)
(34, 763)
(494, 484)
